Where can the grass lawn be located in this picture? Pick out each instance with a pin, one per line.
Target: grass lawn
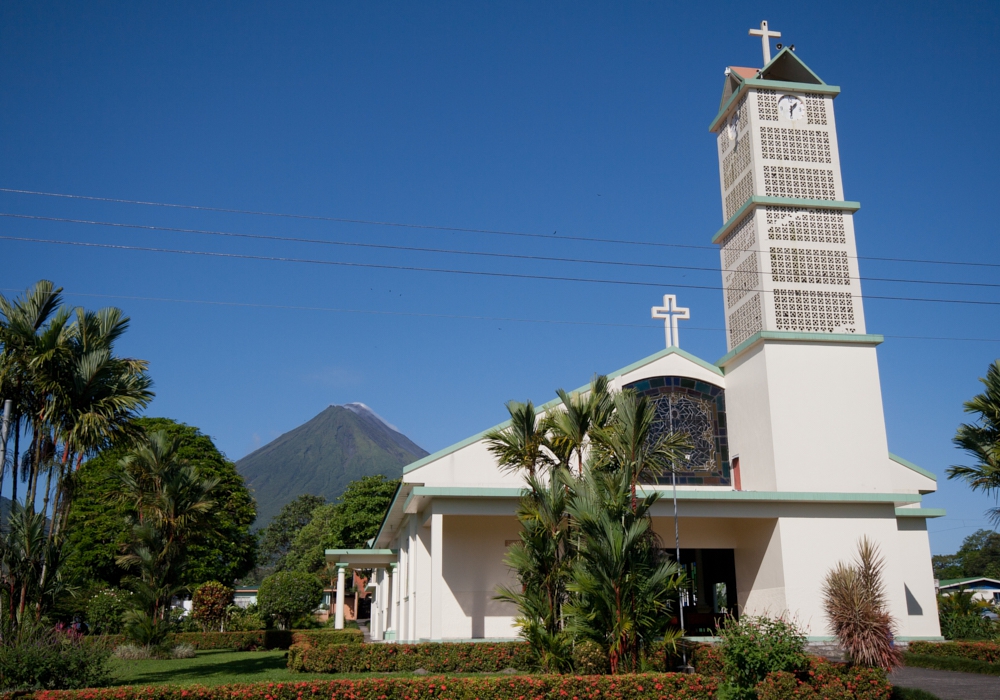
(217, 667)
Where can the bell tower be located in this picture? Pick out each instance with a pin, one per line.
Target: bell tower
(801, 372)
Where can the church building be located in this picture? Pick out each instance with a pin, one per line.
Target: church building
(790, 466)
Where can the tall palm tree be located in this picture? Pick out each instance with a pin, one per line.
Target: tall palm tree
(622, 587)
(570, 424)
(981, 440)
(627, 443)
(171, 502)
(523, 444)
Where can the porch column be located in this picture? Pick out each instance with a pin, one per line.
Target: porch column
(339, 618)
(391, 600)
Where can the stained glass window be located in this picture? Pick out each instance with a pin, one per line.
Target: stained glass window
(698, 409)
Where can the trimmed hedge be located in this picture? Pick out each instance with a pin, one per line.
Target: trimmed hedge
(467, 657)
(673, 686)
(977, 651)
(254, 640)
(951, 663)
(826, 680)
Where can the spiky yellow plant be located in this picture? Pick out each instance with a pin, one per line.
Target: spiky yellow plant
(855, 602)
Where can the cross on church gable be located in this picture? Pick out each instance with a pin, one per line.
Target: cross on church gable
(671, 314)
(765, 38)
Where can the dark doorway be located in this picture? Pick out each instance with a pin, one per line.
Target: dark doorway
(710, 593)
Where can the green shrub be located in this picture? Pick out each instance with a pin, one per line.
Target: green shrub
(632, 687)
(753, 647)
(256, 640)
(951, 663)
(323, 638)
(469, 657)
(244, 619)
(288, 594)
(966, 626)
(106, 611)
(209, 604)
(978, 651)
(43, 659)
(825, 680)
(901, 693)
(589, 658)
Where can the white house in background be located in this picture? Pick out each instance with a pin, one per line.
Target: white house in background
(791, 465)
(982, 588)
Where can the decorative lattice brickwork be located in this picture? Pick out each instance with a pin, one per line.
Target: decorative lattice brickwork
(807, 225)
(816, 109)
(740, 193)
(797, 145)
(803, 183)
(736, 162)
(821, 312)
(741, 281)
(809, 266)
(724, 142)
(740, 239)
(745, 321)
(767, 105)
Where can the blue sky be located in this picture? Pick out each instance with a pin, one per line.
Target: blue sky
(562, 119)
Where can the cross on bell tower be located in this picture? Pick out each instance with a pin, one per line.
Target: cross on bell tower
(671, 314)
(765, 39)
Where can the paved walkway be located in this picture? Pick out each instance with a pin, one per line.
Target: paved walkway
(948, 685)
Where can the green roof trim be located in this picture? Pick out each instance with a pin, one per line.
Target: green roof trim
(920, 512)
(793, 336)
(556, 401)
(768, 85)
(787, 53)
(910, 465)
(690, 495)
(760, 200)
(946, 582)
(352, 552)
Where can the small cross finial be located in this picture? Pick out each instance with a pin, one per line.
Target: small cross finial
(671, 314)
(765, 39)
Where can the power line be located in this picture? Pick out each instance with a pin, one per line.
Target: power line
(290, 307)
(385, 246)
(514, 275)
(370, 222)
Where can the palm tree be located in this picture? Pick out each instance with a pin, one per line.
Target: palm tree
(627, 443)
(981, 440)
(622, 587)
(171, 502)
(571, 424)
(522, 444)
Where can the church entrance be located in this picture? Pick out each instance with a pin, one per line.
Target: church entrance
(710, 593)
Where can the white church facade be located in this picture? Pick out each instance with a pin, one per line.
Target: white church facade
(790, 466)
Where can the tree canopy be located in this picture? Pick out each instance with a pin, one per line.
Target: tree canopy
(99, 527)
(277, 537)
(979, 555)
(349, 522)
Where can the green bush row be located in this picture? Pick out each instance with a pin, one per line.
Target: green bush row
(468, 657)
(255, 640)
(977, 651)
(635, 687)
(951, 663)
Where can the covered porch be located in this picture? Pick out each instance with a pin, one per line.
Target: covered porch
(382, 562)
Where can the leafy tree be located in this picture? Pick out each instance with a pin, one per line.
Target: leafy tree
(276, 539)
(349, 522)
(981, 440)
(106, 611)
(752, 647)
(210, 603)
(979, 555)
(100, 530)
(289, 594)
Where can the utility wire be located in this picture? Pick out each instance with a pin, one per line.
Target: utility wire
(289, 307)
(385, 246)
(514, 275)
(397, 224)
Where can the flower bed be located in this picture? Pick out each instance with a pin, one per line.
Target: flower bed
(473, 657)
(672, 686)
(977, 651)
(256, 640)
(826, 680)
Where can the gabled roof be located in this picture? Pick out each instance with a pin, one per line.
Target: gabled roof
(965, 582)
(786, 67)
(555, 402)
